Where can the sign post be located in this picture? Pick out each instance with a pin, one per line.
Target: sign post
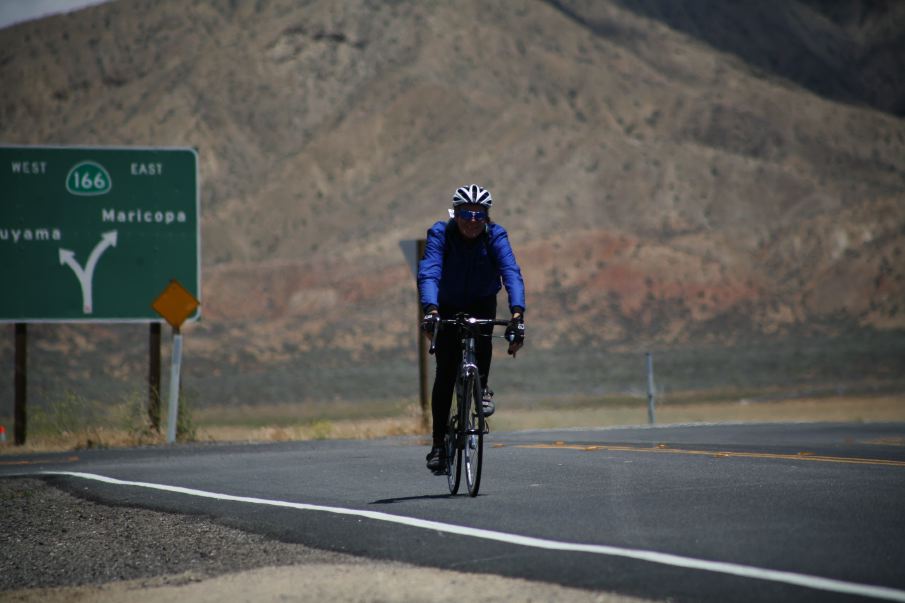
(92, 234)
(175, 304)
(154, 376)
(413, 250)
(175, 368)
(19, 414)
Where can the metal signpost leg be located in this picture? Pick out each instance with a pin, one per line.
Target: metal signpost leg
(173, 409)
(20, 379)
(650, 388)
(413, 250)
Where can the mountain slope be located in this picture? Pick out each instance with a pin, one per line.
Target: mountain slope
(655, 188)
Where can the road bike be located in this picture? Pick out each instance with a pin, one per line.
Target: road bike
(466, 428)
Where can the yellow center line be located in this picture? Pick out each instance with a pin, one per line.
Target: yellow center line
(661, 448)
(885, 442)
(70, 459)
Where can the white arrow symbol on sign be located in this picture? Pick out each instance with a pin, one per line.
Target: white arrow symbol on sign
(86, 274)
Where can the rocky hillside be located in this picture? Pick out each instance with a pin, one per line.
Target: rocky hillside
(847, 51)
(668, 175)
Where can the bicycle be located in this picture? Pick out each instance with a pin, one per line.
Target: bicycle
(464, 439)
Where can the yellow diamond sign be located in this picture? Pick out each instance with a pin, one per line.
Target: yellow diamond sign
(175, 304)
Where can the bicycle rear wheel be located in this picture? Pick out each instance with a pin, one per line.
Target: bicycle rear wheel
(453, 450)
(474, 435)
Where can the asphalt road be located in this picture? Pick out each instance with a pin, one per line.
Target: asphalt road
(778, 512)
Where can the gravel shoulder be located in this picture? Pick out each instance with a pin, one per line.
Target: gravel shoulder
(58, 547)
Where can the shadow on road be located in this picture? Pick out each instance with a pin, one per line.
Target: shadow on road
(389, 501)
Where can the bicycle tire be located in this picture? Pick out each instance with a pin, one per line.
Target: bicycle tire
(473, 448)
(453, 450)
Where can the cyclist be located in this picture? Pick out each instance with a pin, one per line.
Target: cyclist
(465, 260)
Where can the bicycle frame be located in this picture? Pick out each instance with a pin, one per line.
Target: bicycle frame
(466, 429)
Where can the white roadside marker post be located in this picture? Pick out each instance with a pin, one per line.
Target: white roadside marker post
(175, 367)
(175, 304)
(651, 418)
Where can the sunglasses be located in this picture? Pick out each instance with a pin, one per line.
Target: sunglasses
(469, 215)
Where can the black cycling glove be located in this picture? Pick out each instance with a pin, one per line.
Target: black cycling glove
(429, 322)
(515, 332)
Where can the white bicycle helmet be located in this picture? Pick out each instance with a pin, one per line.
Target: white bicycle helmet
(472, 194)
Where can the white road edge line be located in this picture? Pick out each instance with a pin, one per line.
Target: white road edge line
(804, 580)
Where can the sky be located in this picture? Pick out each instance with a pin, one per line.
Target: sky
(16, 11)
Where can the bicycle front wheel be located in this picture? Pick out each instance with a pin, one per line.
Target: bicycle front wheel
(453, 450)
(473, 450)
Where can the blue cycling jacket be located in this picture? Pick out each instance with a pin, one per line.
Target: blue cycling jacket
(456, 272)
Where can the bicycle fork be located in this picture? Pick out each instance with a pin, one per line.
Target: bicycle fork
(468, 372)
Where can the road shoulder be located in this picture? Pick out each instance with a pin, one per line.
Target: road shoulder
(92, 552)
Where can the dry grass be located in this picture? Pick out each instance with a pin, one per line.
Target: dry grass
(360, 429)
(96, 437)
(281, 426)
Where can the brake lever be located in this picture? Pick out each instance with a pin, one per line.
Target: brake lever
(434, 338)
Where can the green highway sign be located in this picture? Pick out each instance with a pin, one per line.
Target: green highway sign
(94, 234)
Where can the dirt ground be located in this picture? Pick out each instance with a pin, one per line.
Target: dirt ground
(318, 583)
